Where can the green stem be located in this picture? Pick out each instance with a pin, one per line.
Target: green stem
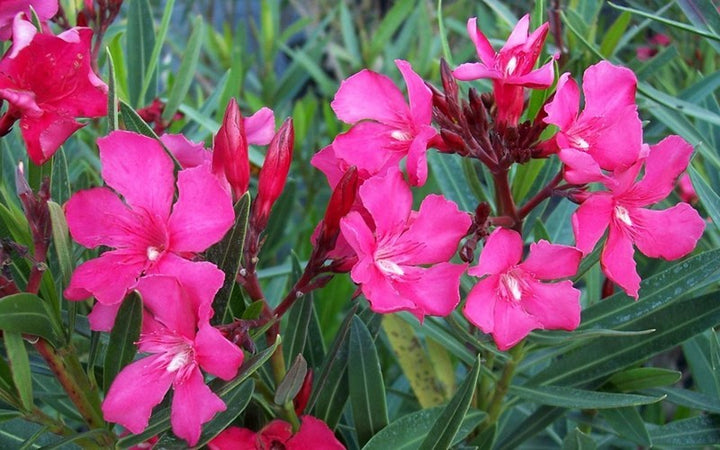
(503, 384)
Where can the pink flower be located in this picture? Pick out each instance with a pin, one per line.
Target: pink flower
(670, 233)
(48, 82)
(511, 68)
(148, 234)
(512, 300)
(386, 127)
(686, 189)
(179, 344)
(45, 10)
(393, 251)
(313, 434)
(608, 129)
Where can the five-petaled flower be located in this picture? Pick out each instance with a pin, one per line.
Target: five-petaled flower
(147, 233)
(512, 300)
(387, 128)
(608, 130)
(511, 69)
(179, 342)
(48, 82)
(394, 249)
(670, 233)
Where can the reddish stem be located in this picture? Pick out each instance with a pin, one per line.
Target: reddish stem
(505, 201)
(546, 192)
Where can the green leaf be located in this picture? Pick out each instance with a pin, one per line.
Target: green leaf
(112, 108)
(150, 70)
(365, 382)
(348, 32)
(407, 432)
(676, 322)
(292, 383)
(16, 432)
(686, 107)
(227, 254)
(391, 22)
(446, 168)
(643, 378)
(29, 314)
(577, 440)
(125, 332)
(628, 423)
(20, 364)
(689, 399)
(707, 195)
(695, 432)
(668, 22)
(297, 327)
(61, 239)
(443, 432)
(614, 34)
(330, 388)
(133, 121)
(187, 70)
(700, 353)
(414, 361)
(579, 398)
(140, 40)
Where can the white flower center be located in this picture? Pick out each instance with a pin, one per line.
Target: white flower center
(511, 286)
(180, 359)
(511, 66)
(400, 135)
(623, 215)
(579, 143)
(389, 267)
(153, 253)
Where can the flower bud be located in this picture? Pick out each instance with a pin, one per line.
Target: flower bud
(273, 174)
(230, 150)
(340, 203)
(301, 399)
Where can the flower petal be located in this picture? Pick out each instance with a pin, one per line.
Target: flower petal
(314, 434)
(608, 88)
(591, 219)
(375, 193)
(234, 438)
(417, 168)
(102, 317)
(666, 161)
(107, 277)
(419, 94)
(193, 404)
(188, 153)
(434, 290)
(260, 127)
(136, 390)
(439, 225)
(97, 217)
(484, 49)
(45, 134)
(580, 167)
(370, 95)
(358, 235)
(382, 294)
(512, 324)
(475, 71)
(480, 304)
(563, 109)
(503, 249)
(126, 159)
(617, 261)
(548, 261)
(370, 147)
(670, 233)
(555, 306)
(168, 302)
(215, 354)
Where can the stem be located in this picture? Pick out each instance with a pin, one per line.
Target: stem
(71, 376)
(486, 381)
(504, 198)
(503, 385)
(546, 192)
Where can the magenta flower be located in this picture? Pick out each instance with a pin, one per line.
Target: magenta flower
(512, 300)
(608, 129)
(179, 344)
(511, 68)
(386, 127)
(670, 233)
(45, 10)
(148, 234)
(313, 434)
(48, 82)
(392, 253)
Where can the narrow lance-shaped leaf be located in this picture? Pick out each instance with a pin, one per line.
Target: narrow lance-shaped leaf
(580, 398)
(20, 365)
(367, 389)
(188, 69)
(29, 314)
(628, 423)
(140, 40)
(121, 347)
(442, 434)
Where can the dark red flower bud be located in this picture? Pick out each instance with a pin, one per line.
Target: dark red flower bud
(273, 174)
(340, 202)
(301, 399)
(230, 150)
